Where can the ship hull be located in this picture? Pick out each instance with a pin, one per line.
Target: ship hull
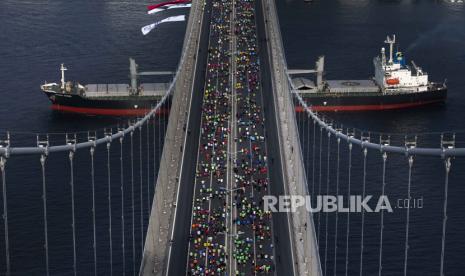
(371, 101)
(111, 106)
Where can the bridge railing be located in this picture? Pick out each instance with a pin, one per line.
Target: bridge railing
(304, 244)
(158, 244)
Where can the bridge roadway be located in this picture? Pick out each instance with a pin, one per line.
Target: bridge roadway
(208, 220)
(232, 172)
(251, 158)
(230, 159)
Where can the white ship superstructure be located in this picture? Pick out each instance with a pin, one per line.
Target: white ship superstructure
(394, 75)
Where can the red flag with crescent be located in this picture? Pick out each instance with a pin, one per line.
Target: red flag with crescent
(158, 7)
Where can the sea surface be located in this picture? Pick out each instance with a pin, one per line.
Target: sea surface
(349, 34)
(95, 39)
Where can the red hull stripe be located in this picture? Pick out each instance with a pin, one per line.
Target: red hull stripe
(105, 111)
(366, 107)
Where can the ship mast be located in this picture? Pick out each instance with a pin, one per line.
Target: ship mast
(133, 75)
(63, 69)
(391, 42)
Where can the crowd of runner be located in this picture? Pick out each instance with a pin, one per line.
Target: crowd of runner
(207, 254)
(254, 249)
(229, 227)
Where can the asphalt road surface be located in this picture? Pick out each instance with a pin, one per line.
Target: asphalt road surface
(280, 221)
(182, 223)
(231, 159)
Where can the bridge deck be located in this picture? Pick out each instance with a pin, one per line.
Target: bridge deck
(219, 226)
(207, 248)
(229, 231)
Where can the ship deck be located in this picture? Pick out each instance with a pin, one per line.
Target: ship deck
(351, 86)
(123, 90)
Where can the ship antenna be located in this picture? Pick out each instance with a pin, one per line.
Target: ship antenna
(63, 69)
(391, 42)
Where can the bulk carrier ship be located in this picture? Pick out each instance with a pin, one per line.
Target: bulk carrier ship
(107, 99)
(395, 85)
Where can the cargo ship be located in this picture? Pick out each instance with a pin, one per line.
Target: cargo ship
(395, 85)
(107, 99)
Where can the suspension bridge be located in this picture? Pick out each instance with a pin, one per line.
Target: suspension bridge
(136, 190)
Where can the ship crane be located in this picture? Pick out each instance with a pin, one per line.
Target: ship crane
(133, 75)
(417, 68)
(319, 71)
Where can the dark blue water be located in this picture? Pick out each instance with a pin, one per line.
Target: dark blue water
(350, 34)
(95, 38)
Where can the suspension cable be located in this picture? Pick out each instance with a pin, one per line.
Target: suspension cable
(447, 164)
(302, 129)
(140, 191)
(348, 213)
(132, 202)
(407, 224)
(44, 202)
(155, 157)
(337, 193)
(307, 156)
(302, 141)
(327, 193)
(122, 204)
(43, 157)
(380, 261)
(313, 156)
(162, 117)
(319, 181)
(148, 173)
(109, 207)
(71, 167)
(5, 215)
(92, 151)
(365, 152)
